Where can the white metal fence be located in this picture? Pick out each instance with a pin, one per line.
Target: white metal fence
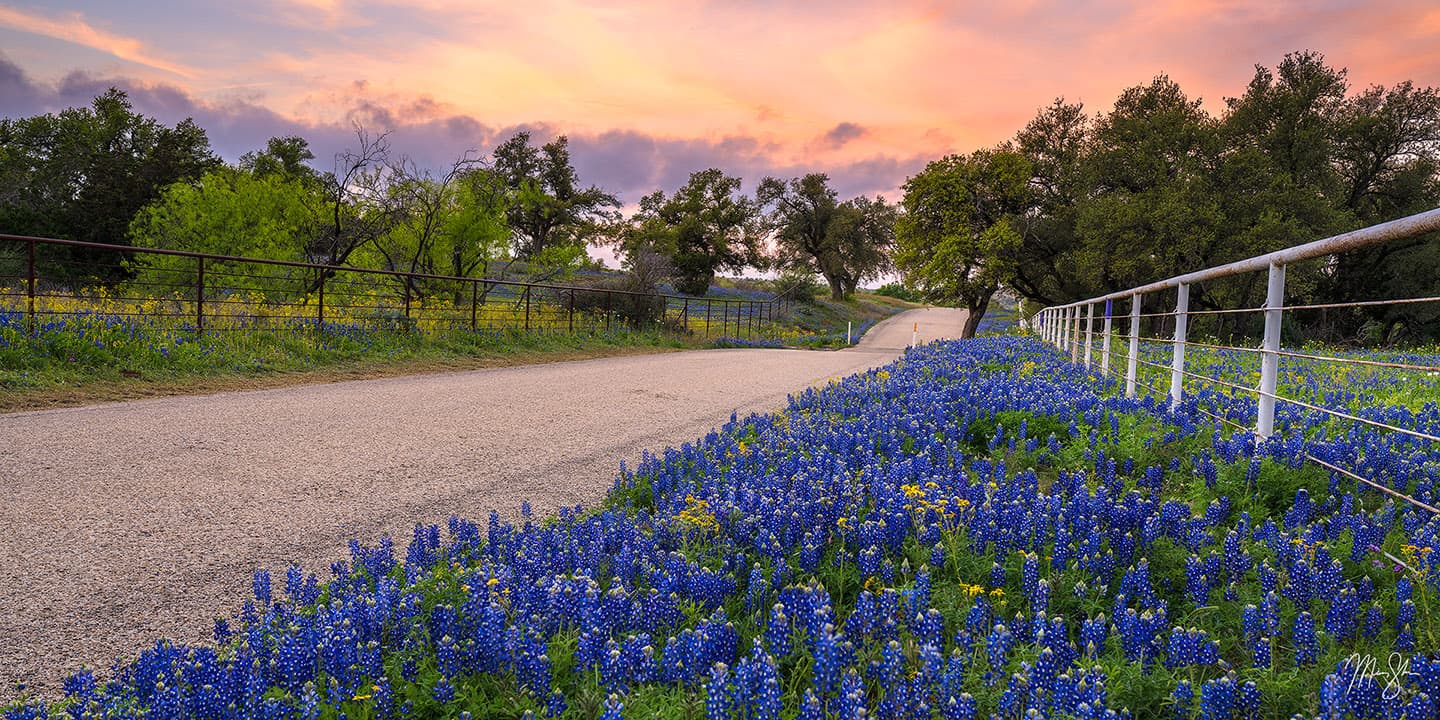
(1073, 329)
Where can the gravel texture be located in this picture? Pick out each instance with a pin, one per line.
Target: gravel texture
(131, 522)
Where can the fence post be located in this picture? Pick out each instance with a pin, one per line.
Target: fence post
(685, 316)
(1132, 357)
(1089, 332)
(200, 295)
(1075, 337)
(608, 296)
(1069, 330)
(320, 306)
(709, 305)
(474, 305)
(1182, 322)
(572, 312)
(1269, 359)
(527, 308)
(1105, 341)
(30, 291)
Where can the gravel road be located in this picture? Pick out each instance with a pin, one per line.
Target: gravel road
(130, 522)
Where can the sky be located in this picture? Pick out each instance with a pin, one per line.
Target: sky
(647, 93)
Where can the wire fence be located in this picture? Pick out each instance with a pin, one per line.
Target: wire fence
(48, 282)
(1273, 393)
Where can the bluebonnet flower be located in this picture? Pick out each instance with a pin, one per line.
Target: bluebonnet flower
(1306, 650)
(1182, 697)
(443, 692)
(718, 703)
(613, 706)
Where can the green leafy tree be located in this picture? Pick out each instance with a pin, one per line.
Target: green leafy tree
(84, 173)
(1054, 142)
(863, 235)
(547, 208)
(285, 156)
(1151, 212)
(1388, 157)
(846, 242)
(957, 235)
(1157, 187)
(707, 226)
(449, 224)
(228, 211)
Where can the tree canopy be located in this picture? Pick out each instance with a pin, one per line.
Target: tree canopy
(83, 175)
(1158, 186)
(547, 209)
(707, 226)
(846, 242)
(957, 237)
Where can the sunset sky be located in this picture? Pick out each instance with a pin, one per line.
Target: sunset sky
(648, 92)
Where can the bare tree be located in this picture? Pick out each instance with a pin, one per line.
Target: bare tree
(356, 206)
(425, 206)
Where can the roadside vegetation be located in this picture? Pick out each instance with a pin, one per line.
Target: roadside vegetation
(97, 349)
(981, 529)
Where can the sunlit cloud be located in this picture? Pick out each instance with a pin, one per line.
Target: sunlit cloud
(649, 92)
(72, 27)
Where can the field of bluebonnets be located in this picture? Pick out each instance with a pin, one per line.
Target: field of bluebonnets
(981, 529)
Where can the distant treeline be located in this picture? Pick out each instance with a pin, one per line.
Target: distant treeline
(1076, 205)
(1080, 205)
(110, 175)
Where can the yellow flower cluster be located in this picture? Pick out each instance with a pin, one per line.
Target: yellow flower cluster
(347, 303)
(928, 498)
(1309, 548)
(697, 514)
(1416, 557)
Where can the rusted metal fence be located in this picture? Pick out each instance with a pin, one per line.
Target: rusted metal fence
(53, 281)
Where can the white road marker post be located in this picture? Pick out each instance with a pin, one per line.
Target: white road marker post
(914, 334)
(848, 325)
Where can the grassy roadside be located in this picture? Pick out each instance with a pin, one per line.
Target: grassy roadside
(95, 359)
(821, 324)
(57, 374)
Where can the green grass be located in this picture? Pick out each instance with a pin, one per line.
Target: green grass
(92, 358)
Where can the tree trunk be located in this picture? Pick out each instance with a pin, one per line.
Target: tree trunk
(837, 287)
(975, 310)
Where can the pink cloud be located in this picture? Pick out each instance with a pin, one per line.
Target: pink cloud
(73, 28)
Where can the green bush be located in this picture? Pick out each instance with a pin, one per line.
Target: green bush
(899, 292)
(798, 285)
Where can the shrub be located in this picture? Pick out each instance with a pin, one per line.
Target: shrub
(899, 292)
(798, 285)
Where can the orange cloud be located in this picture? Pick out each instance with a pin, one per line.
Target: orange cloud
(73, 28)
(921, 77)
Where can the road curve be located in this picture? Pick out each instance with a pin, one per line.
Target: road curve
(129, 522)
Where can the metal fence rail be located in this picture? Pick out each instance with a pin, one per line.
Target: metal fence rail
(1072, 328)
(207, 293)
